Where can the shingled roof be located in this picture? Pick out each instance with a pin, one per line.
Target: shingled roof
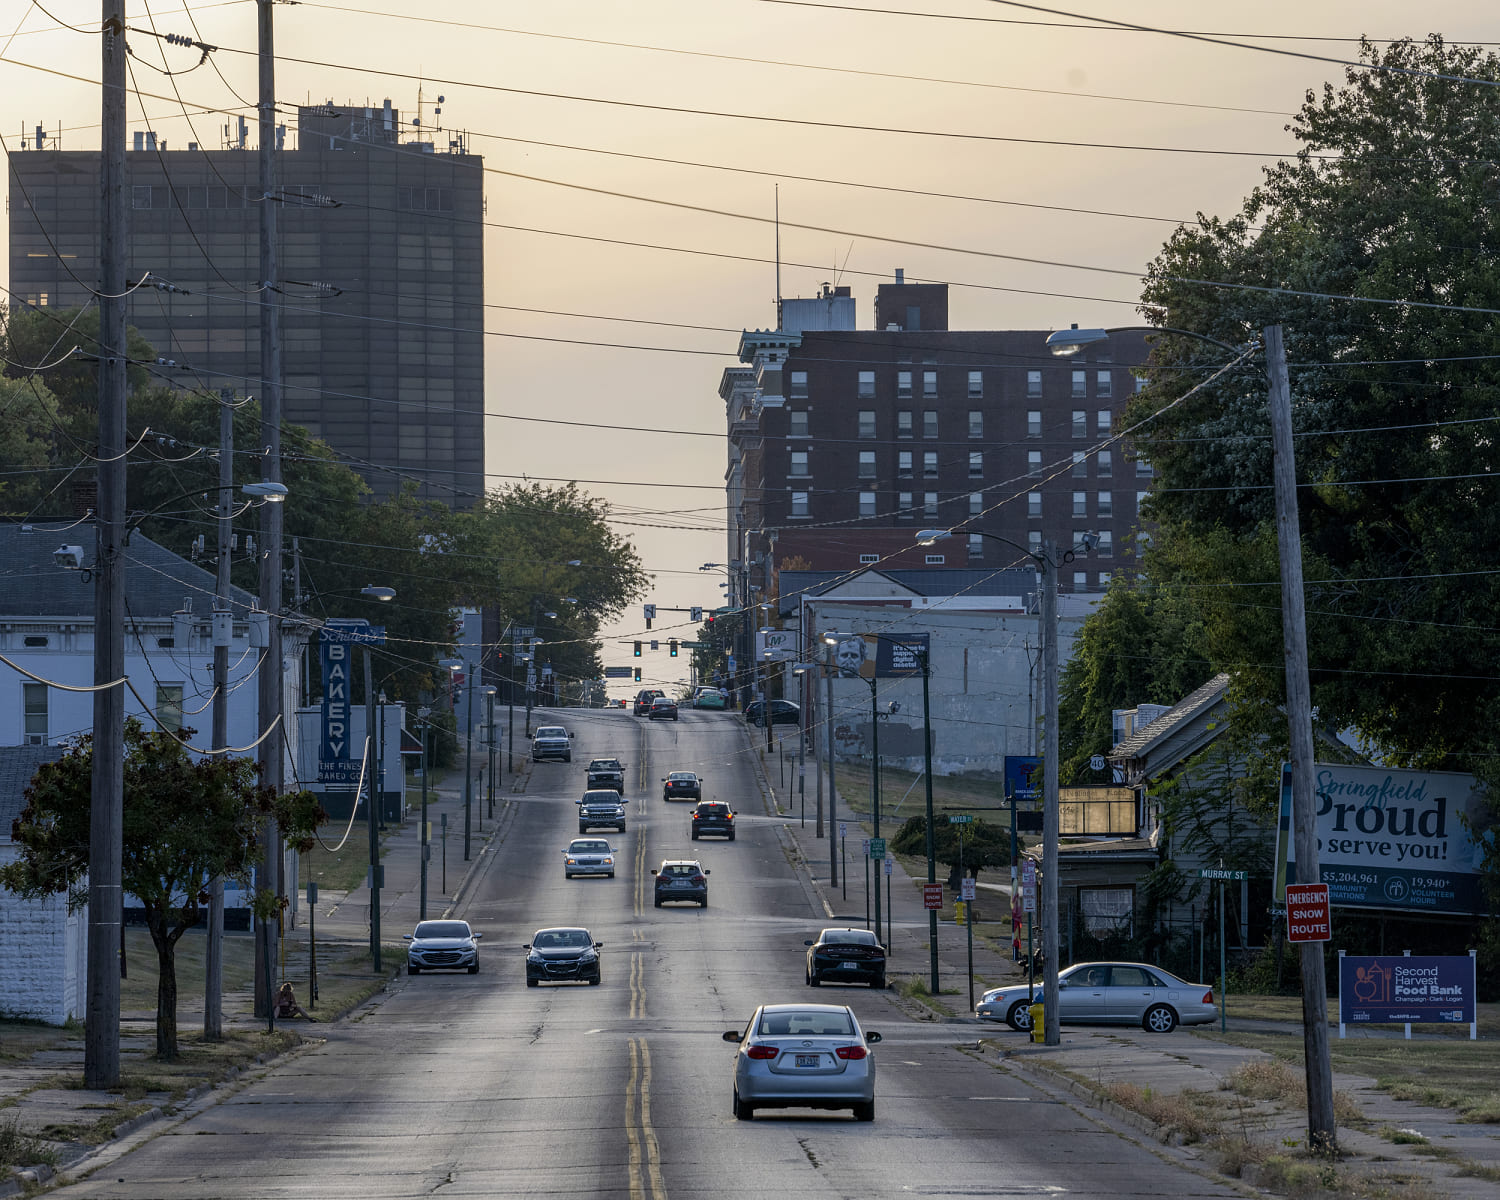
(156, 579)
(17, 766)
(1139, 741)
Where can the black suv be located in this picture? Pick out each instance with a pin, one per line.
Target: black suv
(715, 817)
(681, 879)
(846, 956)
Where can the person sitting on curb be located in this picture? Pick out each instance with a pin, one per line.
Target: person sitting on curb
(287, 1006)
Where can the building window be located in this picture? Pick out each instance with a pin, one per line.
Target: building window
(1034, 423)
(903, 385)
(1080, 423)
(866, 559)
(1142, 465)
(1106, 912)
(976, 423)
(1033, 383)
(903, 464)
(867, 504)
(799, 385)
(797, 425)
(936, 560)
(1033, 504)
(169, 706)
(929, 384)
(1033, 462)
(1104, 421)
(1105, 505)
(866, 423)
(34, 709)
(799, 504)
(799, 463)
(1080, 384)
(1103, 464)
(976, 464)
(1140, 500)
(140, 197)
(903, 506)
(929, 423)
(1080, 464)
(976, 385)
(1103, 385)
(36, 641)
(1141, 383)
(867, 464)
(1106, 548)
(929, 464)
(1104, 581)
(867, 385)
(1080, 504)
(929, 504)
(1034, 541)
(1080, 581)
(903, 422)
(976, 546)
(976, 503)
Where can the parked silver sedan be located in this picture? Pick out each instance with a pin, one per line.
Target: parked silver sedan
(1109, 993)
(804, 1056)
(588, 856)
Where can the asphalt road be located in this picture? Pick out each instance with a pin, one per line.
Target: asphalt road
(466, 1086)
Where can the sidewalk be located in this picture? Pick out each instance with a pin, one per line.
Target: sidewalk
(1176, 1088)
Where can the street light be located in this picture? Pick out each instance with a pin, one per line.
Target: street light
(373, 789)
(1320, 1119)
(383, 594)
(1046, 560)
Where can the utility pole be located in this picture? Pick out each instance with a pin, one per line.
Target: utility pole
(223, 632)
(1051, 801)
(426, 841)
(490, 702)
(932, 917)
(101, 1054)
(833, 849)
(469, 765)
(268, 679)
(1321, 1131)
(370, 822)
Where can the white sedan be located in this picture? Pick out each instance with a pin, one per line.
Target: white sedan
(1108, 993)
(804, 1056)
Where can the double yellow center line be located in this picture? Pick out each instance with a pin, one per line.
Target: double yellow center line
(645, 1149)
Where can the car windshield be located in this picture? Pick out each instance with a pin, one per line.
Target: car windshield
(551, 731)
(805, 1023)
(601, 796)
(681, 869)
(562, 939)
(443, 929)
(848, 937)
(589, 847)
(684, 775)
(605, 764)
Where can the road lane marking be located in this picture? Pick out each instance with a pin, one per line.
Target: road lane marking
(648, 1131)
(645, 1148)
(632, 1137)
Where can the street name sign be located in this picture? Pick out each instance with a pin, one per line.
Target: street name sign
(1222, 873)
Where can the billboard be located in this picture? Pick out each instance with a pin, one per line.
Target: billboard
(1392, 838)
(1023, 777)
(881, 655)
(1406, 989)
(337, 765)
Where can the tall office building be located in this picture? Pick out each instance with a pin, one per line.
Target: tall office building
(381, 265)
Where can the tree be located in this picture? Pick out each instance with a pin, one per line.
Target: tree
(1393, 405)
(984, 845)
(186, 821)
(1144, 644)
(28, 425)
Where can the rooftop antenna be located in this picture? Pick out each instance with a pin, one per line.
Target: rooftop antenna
(778, 257)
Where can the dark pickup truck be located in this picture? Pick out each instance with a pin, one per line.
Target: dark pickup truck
(607, 773)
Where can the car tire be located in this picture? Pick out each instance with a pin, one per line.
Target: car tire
(865, 1111)
(814, 979)
(1019, 1017)
(531, 983)
(411, 970)
(658, 902)
(703, 903)
(567, 758)
(695, 835)
(474, 970)
(743, 1110)
(567, 874)
(731, 837)
(594, 982)
(1159, 1018)
(878, 982)
(621, 826)
(611, 874)
(583, 829)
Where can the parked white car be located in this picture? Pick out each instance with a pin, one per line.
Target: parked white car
(1108, 993)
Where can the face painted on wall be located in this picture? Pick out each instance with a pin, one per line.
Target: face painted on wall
(849, 655)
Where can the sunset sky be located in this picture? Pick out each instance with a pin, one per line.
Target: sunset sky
(617, 282)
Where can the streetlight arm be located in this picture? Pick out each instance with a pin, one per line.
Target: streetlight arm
(1067, 342)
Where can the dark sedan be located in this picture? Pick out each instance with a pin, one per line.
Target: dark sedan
(663, 708)
(846, 956)
(563, 955)
(783, 712)
(682, 785)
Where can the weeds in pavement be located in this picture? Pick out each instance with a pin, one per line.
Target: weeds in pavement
(1195, 1116)
(1274, 1080)
(18, 1148)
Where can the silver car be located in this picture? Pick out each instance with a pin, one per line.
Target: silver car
(588, 856)
(442, 946)
(1109, 993)
(804, 1056)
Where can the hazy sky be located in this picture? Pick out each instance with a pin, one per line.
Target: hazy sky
(988, 103)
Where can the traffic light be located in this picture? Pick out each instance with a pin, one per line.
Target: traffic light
(638, 654)
(672, 647)
(638, 674)
(709, 620)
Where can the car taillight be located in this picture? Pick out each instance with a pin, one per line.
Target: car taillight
(762, 1052)
(1208, 996)
(854, 1052)
(729, 816)
(695, 816)
(698, 879)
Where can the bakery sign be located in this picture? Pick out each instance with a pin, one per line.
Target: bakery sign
(1392, 839)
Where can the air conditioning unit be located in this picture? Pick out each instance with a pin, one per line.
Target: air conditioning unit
(36, 739)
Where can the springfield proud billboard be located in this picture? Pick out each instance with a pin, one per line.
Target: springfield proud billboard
(1392, 839)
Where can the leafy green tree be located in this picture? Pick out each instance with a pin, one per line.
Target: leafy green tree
(185, 822)
(1393, 403)
(1143, 644)
(28, 425)
(984, 845)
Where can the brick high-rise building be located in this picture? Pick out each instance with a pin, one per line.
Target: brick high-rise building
(386, 362)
